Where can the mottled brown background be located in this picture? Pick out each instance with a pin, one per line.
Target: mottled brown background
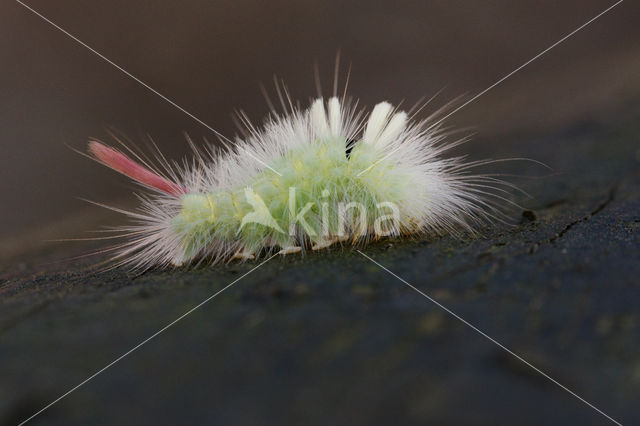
(210, 57)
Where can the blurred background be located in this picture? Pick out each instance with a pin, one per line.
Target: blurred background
(211, 56)
(327, 338)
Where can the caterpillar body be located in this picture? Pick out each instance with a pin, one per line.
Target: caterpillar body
(309, 178)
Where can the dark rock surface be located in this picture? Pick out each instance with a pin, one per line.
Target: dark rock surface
(332, 338)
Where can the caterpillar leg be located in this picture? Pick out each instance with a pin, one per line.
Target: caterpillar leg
(243, 255)
(290, 250)
(325, 243)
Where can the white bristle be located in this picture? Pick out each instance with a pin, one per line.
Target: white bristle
(319, 118)
(395, 127)
(335, 120)
(377, 122)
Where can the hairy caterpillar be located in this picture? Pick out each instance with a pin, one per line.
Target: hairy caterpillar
(309, 178)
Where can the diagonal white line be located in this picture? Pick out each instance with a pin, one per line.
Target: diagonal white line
(500, 345)
(590, 21)
(136, 347)
(142, 83)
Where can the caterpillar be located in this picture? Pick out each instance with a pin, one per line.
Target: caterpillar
(306, 179)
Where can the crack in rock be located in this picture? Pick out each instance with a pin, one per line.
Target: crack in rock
(611, 197)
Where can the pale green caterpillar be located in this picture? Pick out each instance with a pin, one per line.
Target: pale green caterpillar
(308, 179)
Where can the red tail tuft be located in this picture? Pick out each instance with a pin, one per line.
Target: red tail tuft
(125, 165)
